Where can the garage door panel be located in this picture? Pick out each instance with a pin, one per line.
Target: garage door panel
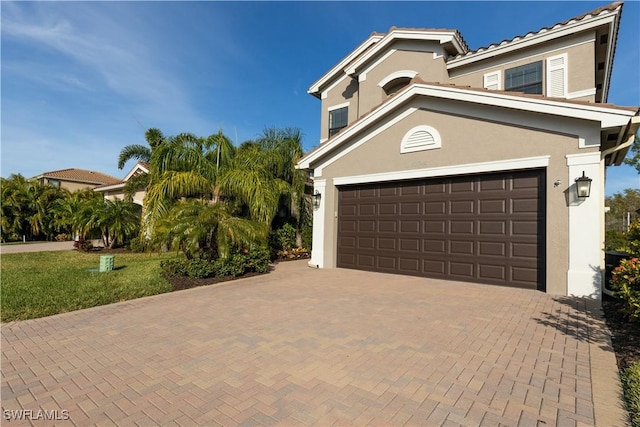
(409, 265)
(388, 208)
(410, 208)
(434, 246)
(385, 226)
(524, 250)
(465, 186)
(524, 228)
(462, 207)
(461, 269)
(366, 260)
(387, 244)
(495, 184)
(409, 226)
(461, 247)
(367, 209)
(411, 245)
(493, 227)
(524, 206)
(387, 263)
(366, 226)
(434, 267)
(435, 208)
(366, 243)
(487, 228)
(493, 272)
(435, 226)
(492, 207)
(461, 227)
(492, 249)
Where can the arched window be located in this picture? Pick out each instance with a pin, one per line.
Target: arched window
(396, 81)
(395, 85)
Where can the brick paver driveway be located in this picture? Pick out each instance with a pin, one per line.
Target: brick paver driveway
(316, 347)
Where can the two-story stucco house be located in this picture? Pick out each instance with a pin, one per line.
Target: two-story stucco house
(445, 162)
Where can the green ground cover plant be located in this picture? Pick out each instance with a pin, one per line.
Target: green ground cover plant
(631, 384)
(45, 283)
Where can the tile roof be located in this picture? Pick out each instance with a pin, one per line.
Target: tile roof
(608, 8)
(80, 175)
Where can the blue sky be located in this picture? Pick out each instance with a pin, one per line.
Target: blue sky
(80, 80)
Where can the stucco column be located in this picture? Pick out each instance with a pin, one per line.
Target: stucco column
(317, 250)
(584, 277)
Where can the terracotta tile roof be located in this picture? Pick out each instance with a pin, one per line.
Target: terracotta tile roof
(418, 80)
(608, 8)
(80, 175)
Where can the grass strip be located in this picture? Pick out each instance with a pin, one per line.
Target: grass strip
(39, 284)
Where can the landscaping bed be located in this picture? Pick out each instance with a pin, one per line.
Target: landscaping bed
(625, 339)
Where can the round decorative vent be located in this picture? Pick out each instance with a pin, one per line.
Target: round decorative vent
(420, 138)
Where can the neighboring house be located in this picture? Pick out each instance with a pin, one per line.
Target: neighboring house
(116, 190)
(445, 162)
(75, 179)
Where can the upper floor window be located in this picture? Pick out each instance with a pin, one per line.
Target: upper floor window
(337, 120)
(395, 85)
(525, 78)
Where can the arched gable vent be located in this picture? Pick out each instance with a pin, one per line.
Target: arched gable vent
(420, 138)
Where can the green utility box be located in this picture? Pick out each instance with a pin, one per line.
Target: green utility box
(106, 263)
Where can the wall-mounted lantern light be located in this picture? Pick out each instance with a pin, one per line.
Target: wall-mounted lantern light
(583, 186)
(316, 199)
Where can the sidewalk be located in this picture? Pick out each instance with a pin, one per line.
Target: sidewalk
(35, 247)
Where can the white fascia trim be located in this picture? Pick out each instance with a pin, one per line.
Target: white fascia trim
(363, 75)
(606, 17)
(581, 93)
(110, 187)
(582, 159)
(607, 117)
(137, 167)
(338, 106)
(440, 36)
(324, 93)
(315, 87)
(466, 169)
(361, 141)
(398, 74)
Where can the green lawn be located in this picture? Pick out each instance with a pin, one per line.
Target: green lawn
(40, 284)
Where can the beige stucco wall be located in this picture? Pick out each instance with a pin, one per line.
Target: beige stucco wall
(429, 69)
(468, 140)
(138, 197)
(346, 90)
(72, 185)
(580, 50)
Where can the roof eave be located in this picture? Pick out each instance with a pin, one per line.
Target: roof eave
(607, 116)
(604, 18)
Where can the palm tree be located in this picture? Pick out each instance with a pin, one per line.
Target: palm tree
(116, 219)
(197, 225)
(73, 213)
(154, 138)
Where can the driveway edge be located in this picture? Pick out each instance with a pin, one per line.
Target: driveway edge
(608, 404)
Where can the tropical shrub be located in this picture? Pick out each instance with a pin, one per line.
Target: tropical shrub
(82, 244)
(631, 381)
(625, 282)
(240, 262)
(137, 244)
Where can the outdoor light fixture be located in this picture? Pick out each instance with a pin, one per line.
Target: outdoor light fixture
(583, 186)
(316, 199)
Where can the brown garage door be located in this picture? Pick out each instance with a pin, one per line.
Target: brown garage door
(486, 228)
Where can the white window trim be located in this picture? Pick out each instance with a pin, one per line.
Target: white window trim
(397, 75)
(337, 107)
(437, 141)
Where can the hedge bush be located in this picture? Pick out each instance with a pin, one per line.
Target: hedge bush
(625, 282)
(631, 381)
